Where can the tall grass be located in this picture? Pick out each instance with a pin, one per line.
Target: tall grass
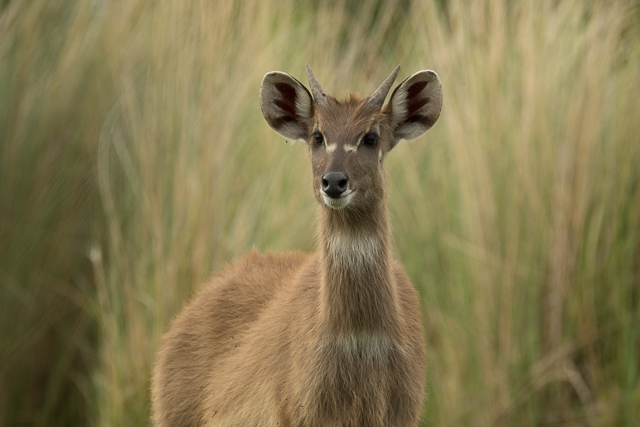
(135, 162)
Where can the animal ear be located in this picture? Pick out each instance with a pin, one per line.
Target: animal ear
(286, 105)
(415, 105)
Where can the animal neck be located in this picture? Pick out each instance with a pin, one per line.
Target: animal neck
(358, 293)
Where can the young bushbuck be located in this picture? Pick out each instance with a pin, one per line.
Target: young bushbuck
(331, 338)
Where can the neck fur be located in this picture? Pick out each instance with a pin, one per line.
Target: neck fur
(358, 293)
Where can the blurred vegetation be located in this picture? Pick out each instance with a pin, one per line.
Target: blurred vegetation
(134, 161)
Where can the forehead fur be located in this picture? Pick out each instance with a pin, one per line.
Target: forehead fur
(352, 114)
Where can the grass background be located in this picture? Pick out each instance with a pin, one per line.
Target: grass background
(134, 162)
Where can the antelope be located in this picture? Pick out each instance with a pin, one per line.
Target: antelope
(332, 338)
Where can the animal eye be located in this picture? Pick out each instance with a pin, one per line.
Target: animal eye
(318, 138)
(370, 139)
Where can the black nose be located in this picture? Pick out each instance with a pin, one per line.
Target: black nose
(334, 184)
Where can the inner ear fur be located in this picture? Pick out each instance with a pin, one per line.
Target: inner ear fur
(286, 105)
(415, 105)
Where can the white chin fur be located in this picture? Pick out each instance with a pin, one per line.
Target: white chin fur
(338, 203)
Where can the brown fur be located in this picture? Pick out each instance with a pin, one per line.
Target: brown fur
(327, 339)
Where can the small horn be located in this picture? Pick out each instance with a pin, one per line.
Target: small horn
(378, 97)
(318, 93)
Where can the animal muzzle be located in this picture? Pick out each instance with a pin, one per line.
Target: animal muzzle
(334, 184)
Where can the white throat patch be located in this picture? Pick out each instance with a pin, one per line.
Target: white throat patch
(354, 251)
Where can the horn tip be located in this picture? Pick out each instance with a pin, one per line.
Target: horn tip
(378, 97)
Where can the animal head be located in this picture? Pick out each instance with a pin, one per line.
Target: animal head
(348, 139)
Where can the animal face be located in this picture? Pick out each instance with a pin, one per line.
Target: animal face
(347, 145)
(349, 139)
